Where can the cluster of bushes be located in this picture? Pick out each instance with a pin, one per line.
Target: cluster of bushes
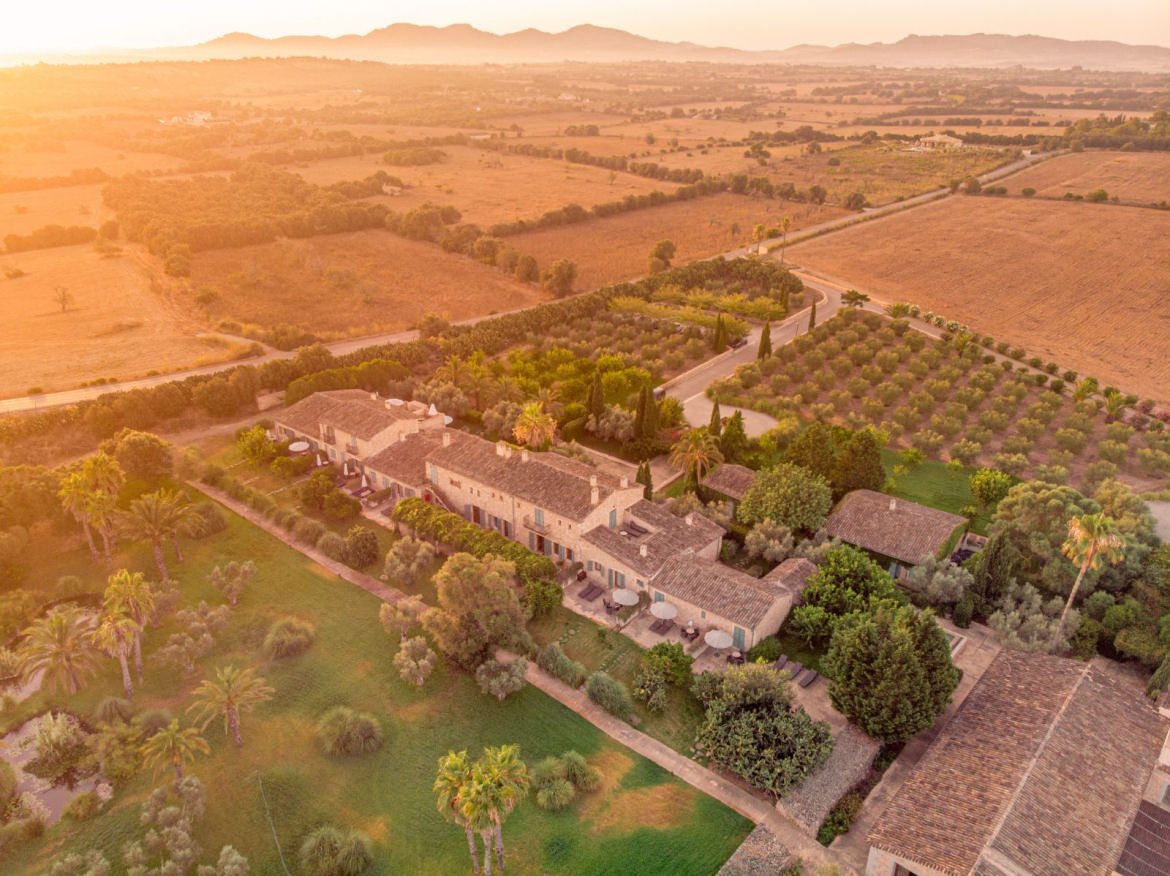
(664, 664)
(414, 156)
(610, 694)
(288, 637)
(75, 177)
(343, 731)
(320, 494)
(536, 572)
(50, 236)
(556, 780)
(648, 169)
(553, 660)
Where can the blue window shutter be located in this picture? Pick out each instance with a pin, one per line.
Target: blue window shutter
(467, 512)
(613, 519)
(659, 597)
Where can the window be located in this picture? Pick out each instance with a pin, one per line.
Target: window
(702, 614)
(538, 516)
(737, 637)
(641, 583)
(569, 554)
(613, 519)
(619, 579)
(899, 870)
(658, 596)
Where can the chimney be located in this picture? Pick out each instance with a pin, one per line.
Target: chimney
(690, 519)
(374, 395)
(501, 449)
(642, 550)
(524, 454)
(446, 438)
(594, 494)
(623, 482)
(593, 480)
(893, 504)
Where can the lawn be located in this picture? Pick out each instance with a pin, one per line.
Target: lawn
(598, 648)
(642, 820)
(933, 483)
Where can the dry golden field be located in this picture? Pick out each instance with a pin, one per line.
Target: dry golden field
(1136, 177)
(490, 187)
(617, 248)
(1084, 285)
(22, 161)
(352, 284)
(22, 212)
(115, 327)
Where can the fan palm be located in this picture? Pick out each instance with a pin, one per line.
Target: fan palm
(696, 453)
(131, 594)
(115, 635)
(534, 427)
(75, 498)
(175, 746)
(233, 691)
(1092, 539)
(103, 474)
(453, 774)
(60, 646)
(156, 517)
(508, 776)
(104, 516)
(479, 806)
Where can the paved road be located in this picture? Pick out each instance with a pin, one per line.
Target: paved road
(340, 348)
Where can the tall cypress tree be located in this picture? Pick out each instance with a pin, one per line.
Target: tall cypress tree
(716, 425)
(812, 317)
(719, 342)
(765, 342)
(650, 425)
(858, 465)
(645, 478)
(640, 415)
(595, 401)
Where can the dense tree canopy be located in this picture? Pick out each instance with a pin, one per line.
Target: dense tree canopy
(846, 581)
(789, 495)
(479, 609)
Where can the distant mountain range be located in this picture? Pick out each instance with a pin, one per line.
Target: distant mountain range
(464, 44)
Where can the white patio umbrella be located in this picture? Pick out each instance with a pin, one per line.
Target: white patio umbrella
(365, 481)
(664, 610)
(319, 462)
(625, 597)
(298, 447)
(717, 639)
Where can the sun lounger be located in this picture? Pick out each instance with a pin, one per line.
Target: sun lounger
(794, 669)
(781, 663)
(809, 678)
(590, 593)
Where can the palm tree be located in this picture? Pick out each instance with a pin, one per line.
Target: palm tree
(696, 453)
(233, 691)
(785, 224)
(453, 774)
(131, 594)
(75, 498)
(509, 778)
(60, 646)
(115, 635)
(479, 806)
(534, 427)
(104, 515)
(102, 473)
(549, 398)
(174, 746)
(156, 517)
(1091, 539)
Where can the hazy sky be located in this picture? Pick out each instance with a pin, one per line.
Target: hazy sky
(56, 25)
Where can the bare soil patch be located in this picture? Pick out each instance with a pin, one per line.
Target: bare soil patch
(352, 284)
(1084, 285)
(1134, 177)
(617, 248)
(115, 327)
(23, 212)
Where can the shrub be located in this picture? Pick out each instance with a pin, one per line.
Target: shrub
(288, 637)
(361, 547)
(578, 771)
(306, 530)
(767, 650)
(501, 679)
(332, 545)
(964, 610)
(206, 519)
(112, 710)
(327, 851)
(553, 660)
(83, 806)
(153, 720)
(840, 818)
(610, 694)
(555, 795)
(342, 730)
(7, 784)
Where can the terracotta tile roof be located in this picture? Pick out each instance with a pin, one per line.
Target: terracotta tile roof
(1147, 849)
(792, 574)
(667, 536)
(406, 461)
(716, 588)
(547, 480)
(1028, 775)
(351, 411)
(905, 531)
(730, 480)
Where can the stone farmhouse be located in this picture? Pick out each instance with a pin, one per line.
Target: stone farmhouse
(1050, 767)
(560, 507)
(898, 533)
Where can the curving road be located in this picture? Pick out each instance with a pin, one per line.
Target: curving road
(781, 332)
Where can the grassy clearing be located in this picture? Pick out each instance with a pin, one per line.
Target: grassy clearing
(388, 794)
(933, 483)
(598, 648)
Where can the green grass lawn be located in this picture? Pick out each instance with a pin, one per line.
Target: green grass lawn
(597, 648)
(932, 483)
(643, 820)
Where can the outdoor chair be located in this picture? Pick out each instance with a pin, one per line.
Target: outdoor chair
(794, 669)
(809, 678)
(779, 664)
